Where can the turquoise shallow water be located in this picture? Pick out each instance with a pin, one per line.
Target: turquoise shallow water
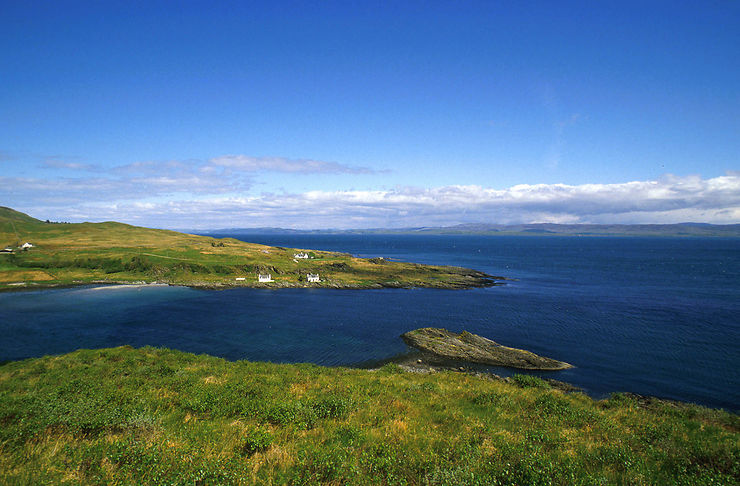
(655, 316)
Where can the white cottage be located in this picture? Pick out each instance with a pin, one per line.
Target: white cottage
(313, 277)
(264, 278)
(301, 255)
(26, 246)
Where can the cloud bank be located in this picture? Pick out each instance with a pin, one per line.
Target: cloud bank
(204, 200)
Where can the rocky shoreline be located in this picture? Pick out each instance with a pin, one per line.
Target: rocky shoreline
(418, 362)
(478, 280)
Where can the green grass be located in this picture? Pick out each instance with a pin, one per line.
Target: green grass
(156, 416)
(73, 254)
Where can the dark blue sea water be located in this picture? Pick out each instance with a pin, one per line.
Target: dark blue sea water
(655, 316)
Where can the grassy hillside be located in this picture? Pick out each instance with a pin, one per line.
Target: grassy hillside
(154, 416)
(8, 215)
(67, 254)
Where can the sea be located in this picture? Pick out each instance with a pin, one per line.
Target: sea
(653, 316)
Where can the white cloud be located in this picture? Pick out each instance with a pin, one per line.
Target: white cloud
(53, 163)
(73, 191)
(670, 199)
(154, 167)
(153, 179)
(282, 164)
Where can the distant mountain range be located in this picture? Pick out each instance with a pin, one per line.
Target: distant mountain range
(541, 229)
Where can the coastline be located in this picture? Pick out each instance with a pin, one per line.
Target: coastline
(423, 363)
(418, 362)
(114, 253)
(482, 282)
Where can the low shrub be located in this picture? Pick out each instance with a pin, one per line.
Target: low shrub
(488, 398)
(254, 440)
(529, 381)
(332, 407)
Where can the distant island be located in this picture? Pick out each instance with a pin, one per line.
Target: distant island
(538, 229)
(35, 253)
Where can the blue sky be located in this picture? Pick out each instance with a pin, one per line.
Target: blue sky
(367, 114)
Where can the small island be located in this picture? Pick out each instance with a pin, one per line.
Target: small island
(443, 344)
(39, 254)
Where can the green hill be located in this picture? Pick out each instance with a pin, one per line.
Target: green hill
(8, 215)
(154, 416)
(83, 253)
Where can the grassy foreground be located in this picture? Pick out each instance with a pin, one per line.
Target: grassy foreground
(83, 253)
(155, 416)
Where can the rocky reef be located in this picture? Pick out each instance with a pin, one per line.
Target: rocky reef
(441, 343)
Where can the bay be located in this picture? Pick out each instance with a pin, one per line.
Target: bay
(654, 316)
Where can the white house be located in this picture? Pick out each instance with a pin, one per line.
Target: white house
(26, 246)
(313, 277)
(264, 278)
(301, 255)
(240, 279)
